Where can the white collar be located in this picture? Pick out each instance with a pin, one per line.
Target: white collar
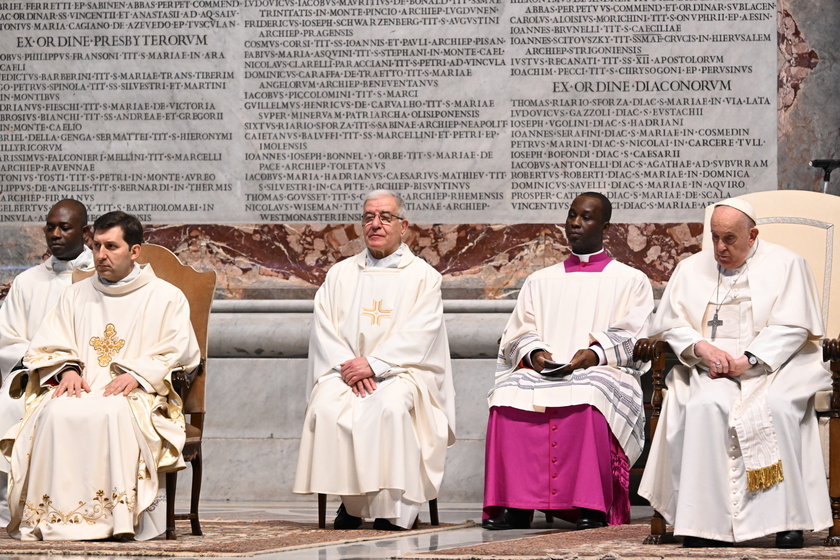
(389, 261)
(135, 272)
(587, 256)
(84, 260)
(733, 271)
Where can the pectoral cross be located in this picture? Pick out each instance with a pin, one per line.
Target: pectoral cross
(714, 322)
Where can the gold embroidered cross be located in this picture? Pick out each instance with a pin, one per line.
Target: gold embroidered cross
(376, 312)
(108, 346)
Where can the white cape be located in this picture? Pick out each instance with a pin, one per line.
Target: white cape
(712, 501)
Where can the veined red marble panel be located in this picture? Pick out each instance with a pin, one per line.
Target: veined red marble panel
(796, 61)
(476, 260)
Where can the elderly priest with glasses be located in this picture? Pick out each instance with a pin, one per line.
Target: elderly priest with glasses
(736, 454)
(381, 411)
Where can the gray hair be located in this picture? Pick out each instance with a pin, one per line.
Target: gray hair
(380, 193)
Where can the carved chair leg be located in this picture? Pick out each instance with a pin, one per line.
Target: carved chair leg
(171, 486)
(658, 530)
(833, 538)
(433, 513)
(648, 349)
(831, 353)
(322, 511)
(197, 469)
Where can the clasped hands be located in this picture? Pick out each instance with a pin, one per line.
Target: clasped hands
(720, 363)
(584, 358)
(358, 375)
(73, 384)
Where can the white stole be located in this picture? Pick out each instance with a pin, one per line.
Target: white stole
(750, 415)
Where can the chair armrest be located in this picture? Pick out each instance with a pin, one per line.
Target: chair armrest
(653, 351)
(17, 380)
(182, 379)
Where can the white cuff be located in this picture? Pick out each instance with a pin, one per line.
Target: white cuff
(378, 366)
(143, 383)
(527, 359)
(602, 356)
(59, 369)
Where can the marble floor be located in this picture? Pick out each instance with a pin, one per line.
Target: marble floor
(388, 548)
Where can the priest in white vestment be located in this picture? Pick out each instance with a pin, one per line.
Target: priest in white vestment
(562, 438)
(34, 292)
(381, 413)
(736, 453)
(102, 420)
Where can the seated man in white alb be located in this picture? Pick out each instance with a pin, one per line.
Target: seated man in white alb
(102, 420)
(381, 413)
(34, 292)
(736, 454)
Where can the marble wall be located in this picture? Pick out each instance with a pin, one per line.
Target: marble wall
(809, 80)
(250, 433)
(276, 261)
(478, 261)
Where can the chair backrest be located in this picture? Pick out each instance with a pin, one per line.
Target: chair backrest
(198, 287)
(804, 222)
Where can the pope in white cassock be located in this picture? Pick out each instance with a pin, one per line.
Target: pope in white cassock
(33, 293)
(562, 439)
(381, 413)
(102, 419)
(736, 454)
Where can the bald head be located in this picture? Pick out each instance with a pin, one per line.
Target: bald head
(65, 229)
(73, 206)
(733, 235)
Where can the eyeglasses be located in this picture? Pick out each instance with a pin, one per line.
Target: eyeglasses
(385, 218)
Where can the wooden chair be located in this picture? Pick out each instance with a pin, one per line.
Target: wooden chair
(322, 512)
(805, 222)
(198, 287)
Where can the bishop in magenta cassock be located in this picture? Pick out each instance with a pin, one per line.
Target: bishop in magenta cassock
(566, 414)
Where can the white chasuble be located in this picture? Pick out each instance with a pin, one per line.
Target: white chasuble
(696, 474)
(396, 438)
(87, 468)
(562, 312)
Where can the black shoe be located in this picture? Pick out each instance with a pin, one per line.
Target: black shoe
(344, 520)
(590, 519)
(790, 539)
(510, 518)
(700, 542)
(381, 524)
